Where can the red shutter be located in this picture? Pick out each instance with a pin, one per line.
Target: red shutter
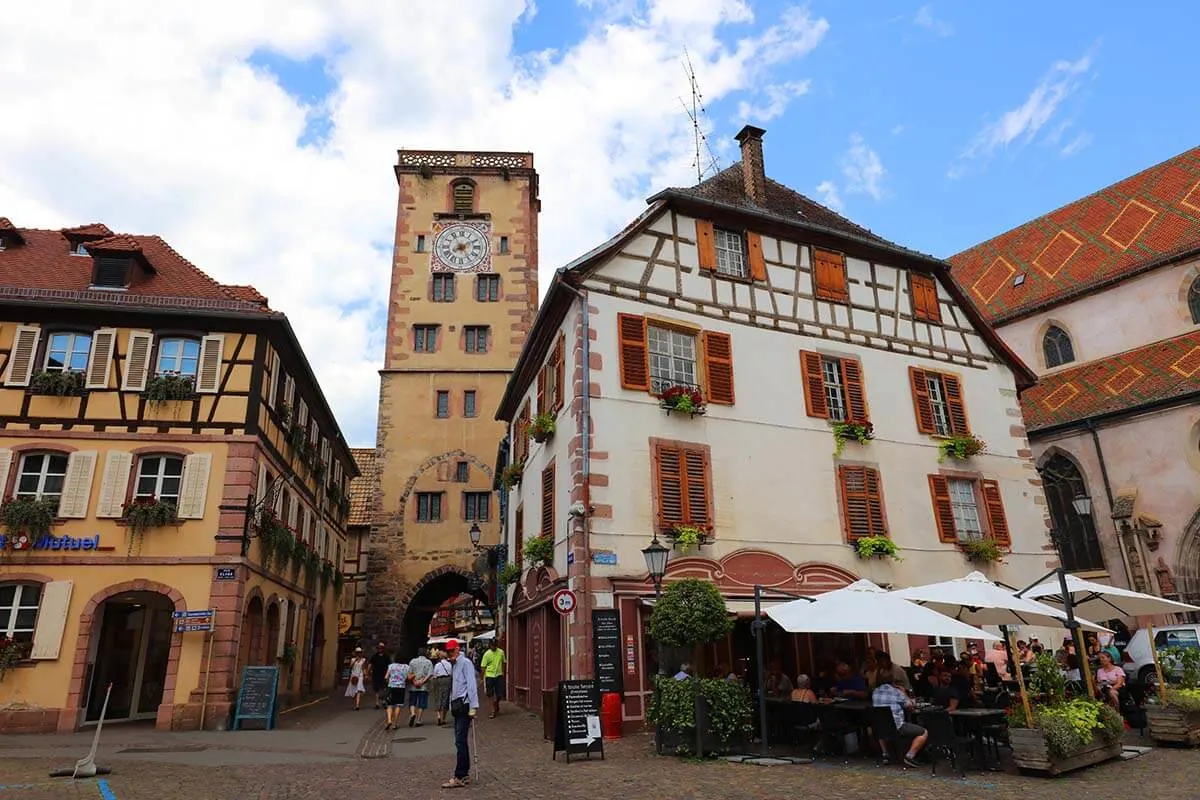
(923, 291)
(718, 372)
(997, 522)
(856, 398)
(541, 391)
(816, 404)
(706, 244)
(521, 435)
(635, 367)
(954, 405)
(560, 370)
(548, 501)
(862, 502)
(920, 394)
(758, 267)
(829, 273)
(943, 511)
(669, 485)
(697, 496)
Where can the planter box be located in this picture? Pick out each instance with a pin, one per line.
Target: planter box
(1030, 753)
(683, 742)
(1172, 725)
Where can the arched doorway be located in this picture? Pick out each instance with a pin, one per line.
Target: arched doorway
(1187, 566)
(1076, 533)
(431, 594)
(272, 639)
(130, 649)
(250, 648)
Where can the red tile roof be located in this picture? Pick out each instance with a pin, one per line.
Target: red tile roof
(44, 262)
(363, 488)
(1143, 220)
(1157, 372)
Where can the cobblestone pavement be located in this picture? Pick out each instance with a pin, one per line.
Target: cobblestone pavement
(515, 763)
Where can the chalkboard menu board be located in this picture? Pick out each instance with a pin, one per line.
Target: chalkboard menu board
(578, 727)
(256, 698)
(606, 650)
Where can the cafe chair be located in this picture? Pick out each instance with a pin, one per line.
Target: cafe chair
(891, 743)
(945, 741)
(836, 725)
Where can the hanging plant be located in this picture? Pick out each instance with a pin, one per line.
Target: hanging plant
(312, 563)
(510, 476)
(275, 540)
(339, 580)
(960, 447)
(285, 415)
(688, 537)
(985, 550)
(510, 573)
(334, 494)
(288, 656)
(861, 432)
(542, 427)
(11, 654)
(28, 515)
(169, 386)
(144, 513)
(682, 399)
(877, 547)
(344, 507)
(57, 383)
(326, 574)
(540, 550)
(297, 436)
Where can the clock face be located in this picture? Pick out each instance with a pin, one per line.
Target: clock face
(461, 248)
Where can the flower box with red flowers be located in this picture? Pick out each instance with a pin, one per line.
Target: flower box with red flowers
(682, 399)
(143, 513)
(12, 653)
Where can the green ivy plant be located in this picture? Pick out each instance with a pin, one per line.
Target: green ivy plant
(877, 547)
(540, 550)
(144, 513)
(960, 447)
(542, 427)
(985, 550)
(690, 612)
(688, 537)
(288, 656)
(509, 574)
(510, 476)
(28, 515)
(326, 575)
(275, 540)
(673, 708)
(312, 563)
(861, 432)
(163, 388)
(57, 383)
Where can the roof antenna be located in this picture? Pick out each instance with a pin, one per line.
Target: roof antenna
(703, 158)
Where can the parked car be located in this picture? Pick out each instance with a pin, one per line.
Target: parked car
(1138, 662)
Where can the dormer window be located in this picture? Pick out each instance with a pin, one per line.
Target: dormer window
(111, 273)
(79, 249)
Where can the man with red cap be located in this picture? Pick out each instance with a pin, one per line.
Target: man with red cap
(464, 703)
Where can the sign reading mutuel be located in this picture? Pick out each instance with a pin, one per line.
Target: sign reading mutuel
(23, 541)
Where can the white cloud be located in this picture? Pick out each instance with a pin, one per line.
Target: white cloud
(778, 96)
(899, 129)
(180, 135)
(1075, 145)
(925, 19)
(862, 169)
(829, 195)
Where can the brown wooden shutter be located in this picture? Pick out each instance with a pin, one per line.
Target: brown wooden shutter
(521, 435)
(706, 244)
(997, 522)
(519, 535)
(548, 501)
(862, 502)
(560, 370)
(829, 273)
(718, 371)
(669, 485)
(758, 267)
(815, 401)
(943, 510)
(923, 290)
(856, 397)
(541, 390)
(921, 405)
(954, 405)
(635, 367)
(697, 479)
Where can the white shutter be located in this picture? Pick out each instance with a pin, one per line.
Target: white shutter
(137, 361)
(114, 484)
(289, 393)
(20, 360)
(208, 378)
(51, 620)
(273, 388)
(99, 365)
(6, 459)
(283, 626)
(306, 531)
(261, 491)
(194, 487)
(302, 415)
(294, 513)
(77, 486)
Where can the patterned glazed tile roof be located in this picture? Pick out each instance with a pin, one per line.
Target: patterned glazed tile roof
(1147, 218)
(363, 488)
(1160, 371)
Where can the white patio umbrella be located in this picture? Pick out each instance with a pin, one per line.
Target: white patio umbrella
(863, 607)
(976, 600)
(1104, 602)
(485, 636)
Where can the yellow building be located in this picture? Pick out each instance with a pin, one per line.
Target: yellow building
(463, 294)
(159, 435)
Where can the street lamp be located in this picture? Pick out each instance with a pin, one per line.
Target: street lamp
(1082, 505)
(475, 534)
(656, 564)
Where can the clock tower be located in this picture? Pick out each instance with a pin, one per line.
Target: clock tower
(463, 296)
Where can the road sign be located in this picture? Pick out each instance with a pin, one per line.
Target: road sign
(564, 601)
(226, 573)
(193, 621)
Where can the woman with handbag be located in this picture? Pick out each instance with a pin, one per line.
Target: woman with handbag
(355, 687)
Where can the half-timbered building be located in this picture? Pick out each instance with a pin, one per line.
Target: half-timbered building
(174, 488)
(762, 384)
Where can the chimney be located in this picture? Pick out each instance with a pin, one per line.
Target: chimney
(754, 174)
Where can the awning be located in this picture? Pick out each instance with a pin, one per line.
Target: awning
(739, 607)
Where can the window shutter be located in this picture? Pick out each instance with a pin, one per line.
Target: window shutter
(6, 459)
(718, 372)
(519, 535)
(923, 291)
(260, 491)
(208, 379)
(943, 511)
(302, 414)
(306, 530)
(954, 405)
(921, 405)
(273, 386)
(560, 369)
(698, 498)
(816, 404)
(99, 365)
(541, 390)
(862, 502)
(77, 485)
(137, 361)
(856, 397)
(997, 522)
(706, 244)
(635, 368)
(51, 620)
(829, 271)
(289, 392)
(114, 484)
(669, 483)
(194, 487)
(20, 361)
(758, 267)
(548, 501)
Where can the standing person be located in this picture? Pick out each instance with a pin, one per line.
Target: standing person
(420, 670)
(396, 679)
(493, 674)
(464, 704)
(355, 688)
(439, 696)
(377, 672)
(998, 656)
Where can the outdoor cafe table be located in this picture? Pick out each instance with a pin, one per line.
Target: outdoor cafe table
(972, 721)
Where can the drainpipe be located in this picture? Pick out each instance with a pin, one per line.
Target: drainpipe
(585, 605)
(1108, 492)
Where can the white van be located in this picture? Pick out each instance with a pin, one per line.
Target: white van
(1138, 662)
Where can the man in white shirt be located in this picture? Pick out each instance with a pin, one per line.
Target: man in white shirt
(464, 704)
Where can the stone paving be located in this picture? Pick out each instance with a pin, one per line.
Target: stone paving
(514, 762)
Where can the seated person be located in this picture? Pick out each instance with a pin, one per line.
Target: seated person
(848, 684)
(777, 684)
(964, 685)
(890, 695)
(888, 672)
(944, 694)
(918, 659)
(1071, 669)
(803, 692)
(1110, 680)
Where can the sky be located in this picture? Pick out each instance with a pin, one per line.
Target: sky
(258, 136)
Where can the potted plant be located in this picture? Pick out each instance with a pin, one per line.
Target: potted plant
(326, 574)
(688, 537)
(540, 550)
(312, 563)
(510, 573)
(275, 540)
(143, 513)
(982, 551)
(343, 507)
(510, 476)
(285, 415)
(1175, 718)
(542, 427)
(30, 516)
(877, 547)
(861, 431)
(12, 653)
(169, 386)
(339, 581)
(682, 399)
(288, 657)
(960, 447)
(57, 383)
